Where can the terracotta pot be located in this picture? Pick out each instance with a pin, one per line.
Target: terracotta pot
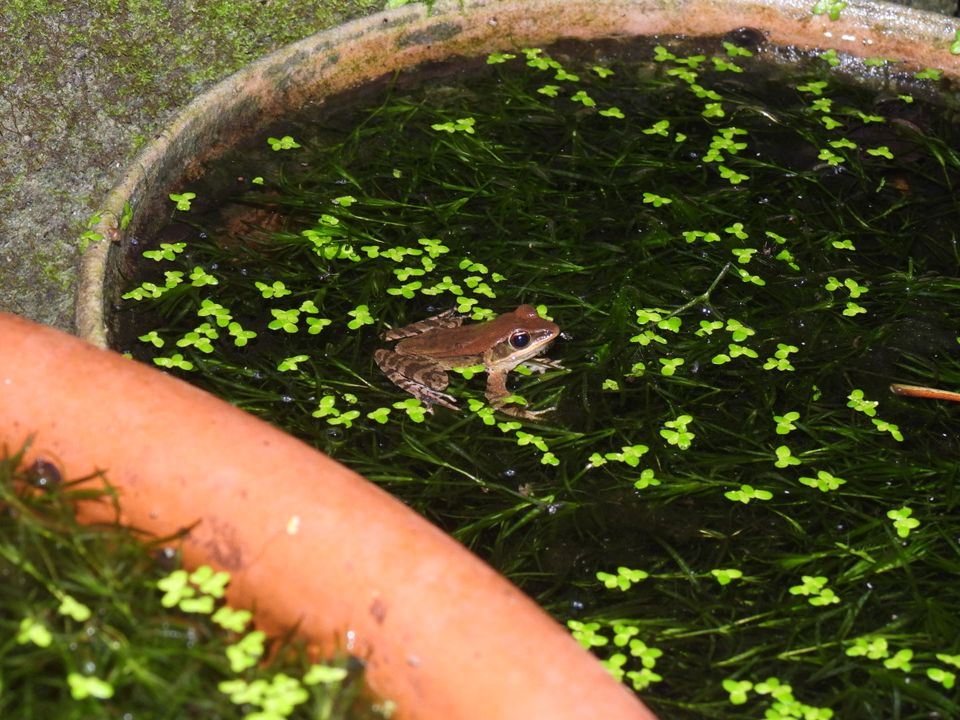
(313, 69)
(309, 543)
(444, 635)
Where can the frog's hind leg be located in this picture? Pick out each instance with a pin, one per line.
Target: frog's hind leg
(422, 378)
(434, 397)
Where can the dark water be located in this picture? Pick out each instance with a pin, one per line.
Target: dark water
(786, 240)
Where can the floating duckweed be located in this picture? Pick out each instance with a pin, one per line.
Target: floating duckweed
(881, 151)
(183, 200)
(647, 479)
(464, 125)
(725, 576)
(737, 690)
(815, 589)
(623, 580)
(785, 458)
(830, 8)
(786, 422)
(167, 251)
(824, 481)
(902, 522)
(745, 493)
(496, 58)
(763, 252)
(292, 363)
(284, 143)
(153, 338)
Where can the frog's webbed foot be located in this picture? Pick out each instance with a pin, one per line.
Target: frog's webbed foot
(519, 411)
(431, 397)
(542, 364)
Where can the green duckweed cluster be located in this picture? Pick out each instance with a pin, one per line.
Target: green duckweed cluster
(98, 625)
(727, 505)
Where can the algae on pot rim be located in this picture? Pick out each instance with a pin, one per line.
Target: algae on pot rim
(727, 505)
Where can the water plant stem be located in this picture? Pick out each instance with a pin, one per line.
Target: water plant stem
(704, 297)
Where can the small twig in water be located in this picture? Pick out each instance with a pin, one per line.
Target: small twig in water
(924, 392)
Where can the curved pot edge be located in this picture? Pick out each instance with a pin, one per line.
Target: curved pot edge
(310, 545)
(358, 51)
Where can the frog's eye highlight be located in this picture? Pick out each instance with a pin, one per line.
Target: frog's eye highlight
(520, 340)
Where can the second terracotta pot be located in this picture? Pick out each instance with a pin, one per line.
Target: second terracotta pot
(309, 544)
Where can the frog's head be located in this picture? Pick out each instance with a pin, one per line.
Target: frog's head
(526, 336)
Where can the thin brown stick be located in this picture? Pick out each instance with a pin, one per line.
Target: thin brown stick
(924, 392)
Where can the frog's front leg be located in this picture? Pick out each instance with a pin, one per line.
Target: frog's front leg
(497, 393)
(422, 377)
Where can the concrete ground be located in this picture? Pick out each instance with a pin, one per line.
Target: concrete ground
(83, 85)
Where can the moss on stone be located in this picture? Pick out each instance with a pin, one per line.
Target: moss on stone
(83, 86)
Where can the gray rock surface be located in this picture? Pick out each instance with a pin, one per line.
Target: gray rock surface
(83, 86)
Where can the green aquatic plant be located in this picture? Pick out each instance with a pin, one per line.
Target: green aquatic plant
(167, 251)
(786, 422)
(98, 624)
(784, 457)
(725, 576)
(283, 143)
(183, 200)
(824, 481)
(902, 522)
(725, 259)
(623, 580)
(745, 493)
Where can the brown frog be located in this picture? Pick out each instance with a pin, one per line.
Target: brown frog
(429, 348)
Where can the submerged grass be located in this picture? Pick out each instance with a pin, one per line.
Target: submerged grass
(92, 629)
(727, 505)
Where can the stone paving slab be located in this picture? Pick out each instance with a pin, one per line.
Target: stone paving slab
(83, 86)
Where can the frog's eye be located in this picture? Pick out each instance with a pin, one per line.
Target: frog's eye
(520, 340)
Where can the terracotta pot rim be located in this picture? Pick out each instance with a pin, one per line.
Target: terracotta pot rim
(311, 546)
(358, 51)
